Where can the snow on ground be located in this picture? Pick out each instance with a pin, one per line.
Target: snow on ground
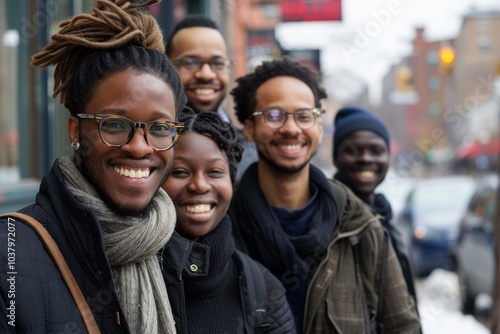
(439, 306)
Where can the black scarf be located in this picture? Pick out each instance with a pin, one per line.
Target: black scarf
(261, 230)
(383, 208)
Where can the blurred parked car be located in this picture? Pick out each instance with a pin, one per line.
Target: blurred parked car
(430, 220)
(474, 251)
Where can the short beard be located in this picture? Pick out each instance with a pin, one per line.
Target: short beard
(126, 212)
(282, 169)
(120, 211)
(216, 107)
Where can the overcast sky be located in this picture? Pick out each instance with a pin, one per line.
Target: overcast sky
(373, 35)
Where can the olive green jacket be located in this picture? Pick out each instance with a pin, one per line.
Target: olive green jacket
(335, 301)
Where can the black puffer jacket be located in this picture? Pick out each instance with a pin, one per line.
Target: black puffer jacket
(211, 273)
(43, 303)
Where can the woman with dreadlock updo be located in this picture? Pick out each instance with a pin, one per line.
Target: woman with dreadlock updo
(214, 288)
(103, 205)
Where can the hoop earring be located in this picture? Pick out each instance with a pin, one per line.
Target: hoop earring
(75, 147)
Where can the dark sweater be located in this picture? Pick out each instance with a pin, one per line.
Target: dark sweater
(212, 296)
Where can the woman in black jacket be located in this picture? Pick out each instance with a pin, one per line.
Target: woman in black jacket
(213, 288)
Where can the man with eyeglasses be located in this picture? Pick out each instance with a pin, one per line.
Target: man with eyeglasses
(102, 206)
(199, 52)
(116, 131)
(327, 248)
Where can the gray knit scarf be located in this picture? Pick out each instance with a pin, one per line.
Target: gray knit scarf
(131, 244)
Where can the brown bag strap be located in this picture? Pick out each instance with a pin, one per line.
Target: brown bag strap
(58, 258)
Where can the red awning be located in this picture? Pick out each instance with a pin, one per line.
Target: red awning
(475, 149)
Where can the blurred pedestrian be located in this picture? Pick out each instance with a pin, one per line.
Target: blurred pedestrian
(199, 52)
(216, 290)
(361, 154)
(324, 244)
(103, 206)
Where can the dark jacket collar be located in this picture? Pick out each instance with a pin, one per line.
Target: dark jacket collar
(78, 235)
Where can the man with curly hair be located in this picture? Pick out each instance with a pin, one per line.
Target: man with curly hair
(328, 249)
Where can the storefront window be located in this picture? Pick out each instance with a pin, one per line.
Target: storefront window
(33, 126)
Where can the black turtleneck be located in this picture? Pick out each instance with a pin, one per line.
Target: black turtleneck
(213, 303)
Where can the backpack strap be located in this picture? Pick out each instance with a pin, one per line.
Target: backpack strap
(379, 313)
(62, 266)
(340, 198)
(354, 241)
(376, 316)
(254, 290)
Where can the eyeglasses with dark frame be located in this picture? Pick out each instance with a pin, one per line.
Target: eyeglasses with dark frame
(116, 131)
(194, 64)
(275, 117)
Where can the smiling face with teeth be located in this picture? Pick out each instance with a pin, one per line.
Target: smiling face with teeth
(362, 161)
(200, 185)
(205, 89)
(289, 148)
(126, 177)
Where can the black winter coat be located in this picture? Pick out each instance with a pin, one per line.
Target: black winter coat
(176, 258)
(42, 302)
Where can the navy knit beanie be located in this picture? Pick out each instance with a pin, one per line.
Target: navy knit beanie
(351, 119)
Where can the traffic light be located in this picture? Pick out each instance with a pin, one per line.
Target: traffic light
(447, 59)
(404, 78)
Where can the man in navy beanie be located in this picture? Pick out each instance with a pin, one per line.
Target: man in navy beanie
(361, 146)
(351, 119)
(361, 154)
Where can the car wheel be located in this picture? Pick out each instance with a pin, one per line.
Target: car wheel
(466, 298)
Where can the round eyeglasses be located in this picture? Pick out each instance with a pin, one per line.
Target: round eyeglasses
(275, 117)
(116, 131)
(194, 64)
